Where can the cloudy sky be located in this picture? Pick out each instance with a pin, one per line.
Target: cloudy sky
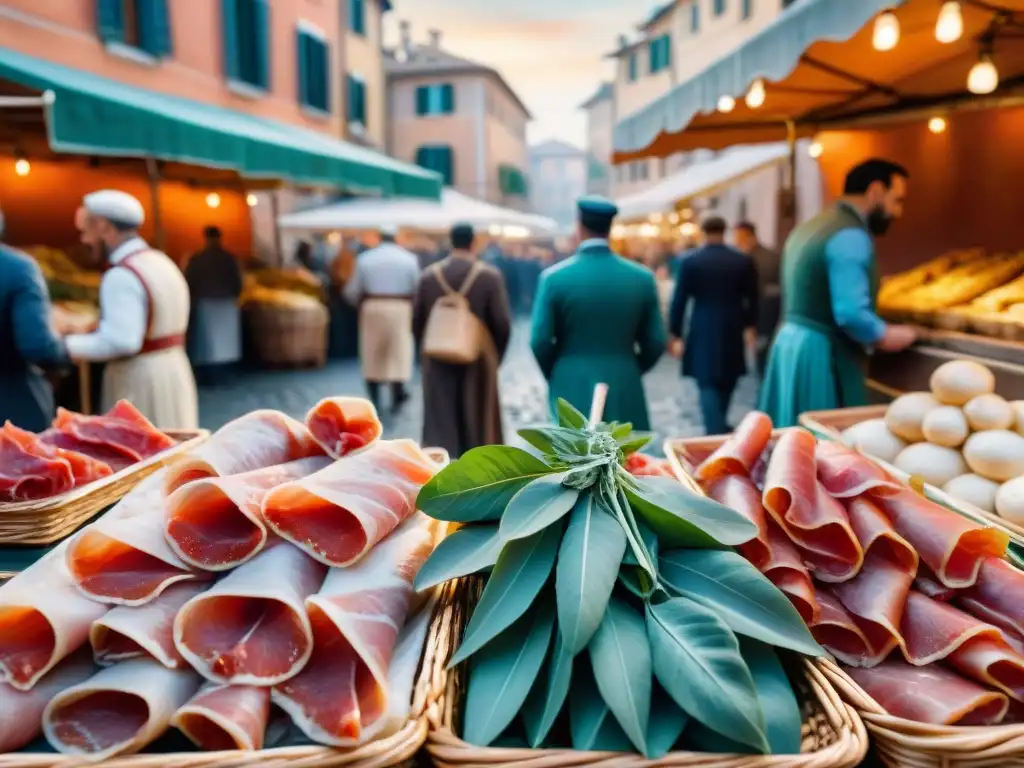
(550, 51)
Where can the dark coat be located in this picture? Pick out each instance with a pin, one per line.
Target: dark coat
(721, 284)
(461, 408)
(27, 343)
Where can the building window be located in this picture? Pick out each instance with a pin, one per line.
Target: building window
(356, 89)
(142, 24)
(511, 181)
(660, 52)
(695, 17)
(437, 158)
(633, 67)
(719, 7)
(314, 69)
(742, 213)
(748, 9)
(436, 99)
(247, 41)
(357, 16)
(642, 170)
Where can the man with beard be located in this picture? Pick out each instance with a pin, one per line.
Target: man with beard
(830, 280)
(144, 309)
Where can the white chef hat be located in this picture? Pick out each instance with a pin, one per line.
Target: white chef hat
(119, 208)
(388, 230)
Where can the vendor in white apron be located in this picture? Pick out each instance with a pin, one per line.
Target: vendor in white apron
(144, 307)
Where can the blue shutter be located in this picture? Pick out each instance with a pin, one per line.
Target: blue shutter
(695, 17)
(667, 50)
(357, 16)
(748, 8)
(229, 24)
(302, 42)
(154, 27)
(362, 102)
(445, 165)
(719, 7)
(633, 66)
(447, 98)
(423, 157)
(261, 28)
(110, 21)
(422, 100)
(324, 68)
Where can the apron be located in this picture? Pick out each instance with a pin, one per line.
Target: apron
(386, 345)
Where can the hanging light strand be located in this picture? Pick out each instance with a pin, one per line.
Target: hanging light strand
(950, 25)
(756, 95)
(886, 33)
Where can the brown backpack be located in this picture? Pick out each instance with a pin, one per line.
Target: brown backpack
(454, 334)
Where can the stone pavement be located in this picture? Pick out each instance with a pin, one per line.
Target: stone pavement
(672, 400)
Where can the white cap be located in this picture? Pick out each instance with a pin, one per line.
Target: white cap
(115, 206)
(388, 230)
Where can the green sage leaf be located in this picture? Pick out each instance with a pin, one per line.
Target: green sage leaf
(568, 415)
(518, 577)
(621, 430)
(682, 518)
(548, 694)
(740, 594)
(477, 487)
(467, 550)
(501, 675)
(588, 563)
(668, 722)
(621, 659)
(558, 441)
(536, 506)
(782, 716)
(636, 441)
(591, 722)
(696, 657)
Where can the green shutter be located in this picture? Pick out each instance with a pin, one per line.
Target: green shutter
(422, 100)
(110, 21)
(423, 157)
(324, 70)
(302, 42)
(667, 55)
(154, 27)
(447, 98)
(261, 28)
(229, 24)
(357, 16)
(446, 165)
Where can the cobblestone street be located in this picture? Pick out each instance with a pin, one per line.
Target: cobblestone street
(673, 401)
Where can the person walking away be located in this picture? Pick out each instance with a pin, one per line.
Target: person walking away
(830, 281)
(596, 319)
(768, 293)
(383, 287)
(28, 345)
(144, 309)
(721, 284)
(214, 279)
(461, 406)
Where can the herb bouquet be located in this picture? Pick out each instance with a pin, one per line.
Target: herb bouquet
(615, 616)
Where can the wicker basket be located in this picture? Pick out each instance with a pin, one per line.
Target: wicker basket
(283, 336)
(834, 736)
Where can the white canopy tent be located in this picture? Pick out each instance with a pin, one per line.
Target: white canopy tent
(410, 213)
(703, 178)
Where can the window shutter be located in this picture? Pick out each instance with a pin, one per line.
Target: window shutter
(302, 43)
(423, 157)
(445, 165)
(357, 16)
(110, 21)
(261, 27)
(422, 100)
(324, 70)
(362, 102)
(154, 27)
(448, 98)
(229, 24)
(667, 45)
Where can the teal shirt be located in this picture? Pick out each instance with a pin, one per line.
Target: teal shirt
(849, 254)
(597, 318)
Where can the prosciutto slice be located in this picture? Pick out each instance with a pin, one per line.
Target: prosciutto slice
(21, 712)
(738, 493)
(928, 584)
(123, 558)
(251, 627)
(786, 571)
(339, 513)
(930, 694)
(147, 631)
(123, 428)
(84, 469)
(112, 457)
(847, 474)
(224, 717)
(216, 523)
(118, 711)
(817, 523)
(356, 618)
(996, 596)
(841, 633)
(27, 474)
(738, 454)
(258, 439)
(43, 619)
(342, 425)
(950, 545)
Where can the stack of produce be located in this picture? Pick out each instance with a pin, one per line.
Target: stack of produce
(960, 436)
(915, 601)
(122, 632)
(64, 278)
(291, 289)
(615, 616)
(75, 451)
(895, 286)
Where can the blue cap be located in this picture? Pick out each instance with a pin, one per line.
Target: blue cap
(596, 212)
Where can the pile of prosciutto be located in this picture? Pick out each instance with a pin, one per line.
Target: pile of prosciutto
(916, 602)
(75, 451)
(272, 565)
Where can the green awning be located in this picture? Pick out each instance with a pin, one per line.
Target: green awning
(94, 115)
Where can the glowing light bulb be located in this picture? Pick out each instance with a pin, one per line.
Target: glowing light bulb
(937, 125)
(756, 95)
(950, 26)
(983, 77)
(251, 200)
(726, 104)
(815, 150)
(213, 200)
(22, 167)
(887, 32)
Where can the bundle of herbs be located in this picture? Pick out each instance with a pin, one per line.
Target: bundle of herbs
(615, 614)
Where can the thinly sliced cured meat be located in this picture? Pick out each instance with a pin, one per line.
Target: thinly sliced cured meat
(927, 583)
(874, 531)
(738, 493)
(251, 627)
(950, 545)
(339, 513)
(122, 428)
(26, 474)
(21, 712)
(930, 694)
(996, 595)
(342, 425)
(841, 633)
(217, 524)
(123, 558)
(132, 633)
(223, 717)
(258, 439)
(847, 474)
(737, 455)
(112, 457)
(644, 465)
(118, 711)
(84, 469)
(356, 618)
(817, 523)
(43, 619)
(786, 570)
